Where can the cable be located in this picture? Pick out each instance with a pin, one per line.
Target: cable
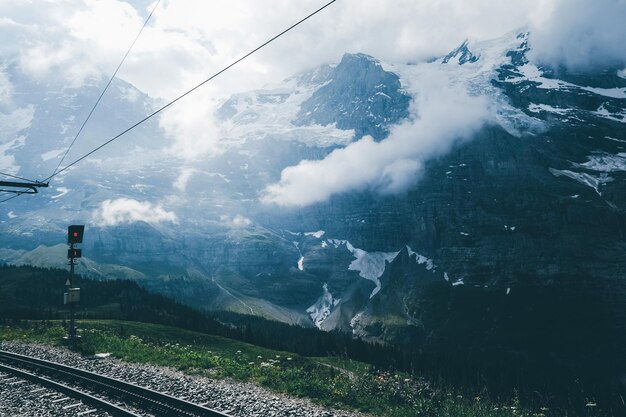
(17, 194)
(105, 89)
(16, 177)
(191, 90)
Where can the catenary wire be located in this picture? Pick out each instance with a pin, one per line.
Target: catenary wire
(17, 194)
(105, 88)
(159, 110)
(16, 177)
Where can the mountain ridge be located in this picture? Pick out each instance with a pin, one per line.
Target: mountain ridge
(521, 199)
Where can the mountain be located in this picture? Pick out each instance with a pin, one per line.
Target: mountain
(359, 95)
(534, 204)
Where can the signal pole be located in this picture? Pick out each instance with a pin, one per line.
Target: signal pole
(72, 297)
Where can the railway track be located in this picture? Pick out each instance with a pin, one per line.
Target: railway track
(118, 398)
(24, 394)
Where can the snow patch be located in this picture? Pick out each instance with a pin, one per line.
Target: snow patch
(322, 307)
(537, 108)
(301, 263)
(11, 215)
(421, 259)
(130, 94)
(615, 139)
(586, 179)
(316, 235)
(62, 191)
(370, 265)
(603, 112)
(7, 160)
(476, 79)
(55, 153)
(268, 114)
(606, 162)
(458, 282)
(530, 72)
(607, 92)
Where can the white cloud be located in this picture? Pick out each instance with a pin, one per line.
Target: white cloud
(189, 40)
(581, 34)
(127, 210)
(445, 116)
(73, 42)
(192, 127)
(236, 221)
(183, 178)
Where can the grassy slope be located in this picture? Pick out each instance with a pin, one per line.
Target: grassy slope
(330, 381)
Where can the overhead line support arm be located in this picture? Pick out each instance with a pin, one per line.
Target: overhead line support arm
(29, 187)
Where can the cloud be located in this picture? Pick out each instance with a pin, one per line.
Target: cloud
(187, 41)
(72, 43)
(192, 127)
(127, 210)
(443, 116)
(183, 178)
(580, 34)
(236, 221)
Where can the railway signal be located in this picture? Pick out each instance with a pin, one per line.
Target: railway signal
(75, 234)
(72, 296)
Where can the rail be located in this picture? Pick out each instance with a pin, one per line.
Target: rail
(138, 397)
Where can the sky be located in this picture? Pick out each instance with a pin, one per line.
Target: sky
(72, 42)
(187, 40)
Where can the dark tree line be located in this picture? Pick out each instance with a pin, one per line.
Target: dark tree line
(490, 345)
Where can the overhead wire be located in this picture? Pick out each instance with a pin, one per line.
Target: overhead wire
(106, 87)
(159, 110)
(17, 194)
(16, 177)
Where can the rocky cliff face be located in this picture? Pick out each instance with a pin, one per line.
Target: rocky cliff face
(359, 94)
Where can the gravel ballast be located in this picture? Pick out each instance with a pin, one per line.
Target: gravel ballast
(22, 398)
(238, 399)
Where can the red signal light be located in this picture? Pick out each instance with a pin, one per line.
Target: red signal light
(75, 233)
